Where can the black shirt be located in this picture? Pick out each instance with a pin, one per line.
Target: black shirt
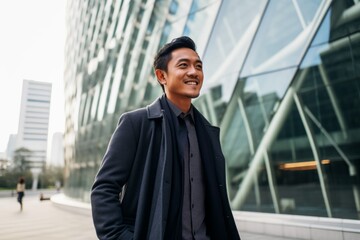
(193, 209)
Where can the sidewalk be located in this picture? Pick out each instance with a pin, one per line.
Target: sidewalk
(44, 220)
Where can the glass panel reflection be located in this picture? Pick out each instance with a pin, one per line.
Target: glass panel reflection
(295, 169)
(259, 198)
(355, 48)
(195, 27)
(230, 41)
(316, 171)
(345, 18)
(275, 48)
(251, 109)
(330, 94)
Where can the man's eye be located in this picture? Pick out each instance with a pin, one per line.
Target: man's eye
(199, 66)
(183, 65)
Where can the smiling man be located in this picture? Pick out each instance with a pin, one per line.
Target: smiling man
(163, 174)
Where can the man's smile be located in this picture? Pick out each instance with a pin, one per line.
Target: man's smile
(191, 82)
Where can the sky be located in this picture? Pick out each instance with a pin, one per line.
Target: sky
(31, 47)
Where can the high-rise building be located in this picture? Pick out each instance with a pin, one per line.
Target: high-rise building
(56, 155)
(282, 80)
(10, 148)
(33, 124)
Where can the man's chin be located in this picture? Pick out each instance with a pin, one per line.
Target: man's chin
(193, 95)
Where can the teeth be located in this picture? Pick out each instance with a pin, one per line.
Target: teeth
(191, 83)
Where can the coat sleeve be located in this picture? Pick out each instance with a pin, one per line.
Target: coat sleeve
(111, 177)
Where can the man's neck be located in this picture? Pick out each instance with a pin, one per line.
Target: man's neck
(183, 104)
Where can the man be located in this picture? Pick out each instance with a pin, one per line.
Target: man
(163, 174)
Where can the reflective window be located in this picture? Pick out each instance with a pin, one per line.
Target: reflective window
(87, 110)
(180, 9)
(250, 111)
(270, 83)
(344, 18)
(355, 49)
(82, 109)
(323, 33)
(195, 27)
(329, 90)
(275, 48)
(95, 101)
(311, 152)
(229, 42)
(174, 5)
(124, 16)
(104, 94)
(187, 18)
(235, 146)
(295, 169)
(114, 92)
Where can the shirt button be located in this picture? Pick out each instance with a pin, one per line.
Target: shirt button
(192, 205)
(192, 179)
(191, 155)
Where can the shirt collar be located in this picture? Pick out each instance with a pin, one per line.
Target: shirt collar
(178, 112)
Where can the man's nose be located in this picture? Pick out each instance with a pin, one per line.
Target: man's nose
(193, 71)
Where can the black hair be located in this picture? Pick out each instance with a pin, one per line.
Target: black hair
(21, 180)
(163, 57)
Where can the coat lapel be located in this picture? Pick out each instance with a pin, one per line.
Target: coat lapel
(167, 190)
(213, 165)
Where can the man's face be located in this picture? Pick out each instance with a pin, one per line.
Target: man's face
(184, 76)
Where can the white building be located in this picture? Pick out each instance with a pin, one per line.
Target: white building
(34, 123)
(56, 156)
(11, 147)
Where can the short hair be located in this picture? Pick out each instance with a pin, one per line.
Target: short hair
(163, 56)
(21, 180)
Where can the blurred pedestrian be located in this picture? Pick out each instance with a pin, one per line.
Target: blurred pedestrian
(20, 189)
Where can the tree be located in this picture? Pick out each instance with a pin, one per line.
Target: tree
(50, 176)
(20, 168)
(10, 178)
(21, 162)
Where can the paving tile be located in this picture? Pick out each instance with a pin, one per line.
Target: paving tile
(44, 220)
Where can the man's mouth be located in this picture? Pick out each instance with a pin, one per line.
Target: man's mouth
(192, 82)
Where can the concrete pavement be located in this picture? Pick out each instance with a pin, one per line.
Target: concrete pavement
(41, 220)
(45, 220)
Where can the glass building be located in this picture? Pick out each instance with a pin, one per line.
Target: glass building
(282, 80)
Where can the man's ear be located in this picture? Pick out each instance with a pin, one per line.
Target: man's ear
(161, 76)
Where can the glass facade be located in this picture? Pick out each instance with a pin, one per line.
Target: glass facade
(282, 80)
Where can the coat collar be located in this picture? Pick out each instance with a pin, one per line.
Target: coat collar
(154, 110)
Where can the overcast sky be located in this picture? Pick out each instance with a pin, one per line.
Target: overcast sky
(31, 47)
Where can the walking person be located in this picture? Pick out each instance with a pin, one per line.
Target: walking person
(163, 174)
(20, 189)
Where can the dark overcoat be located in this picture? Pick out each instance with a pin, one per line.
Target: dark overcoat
(131, 193)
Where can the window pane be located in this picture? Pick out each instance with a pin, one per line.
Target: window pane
(275, 48)
(230, 41)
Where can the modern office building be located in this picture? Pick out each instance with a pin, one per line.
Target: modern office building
(282, 80)
(33, 124)
(56, 155)
(11, 145)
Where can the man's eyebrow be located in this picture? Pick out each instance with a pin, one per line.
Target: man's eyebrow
(188, 60)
